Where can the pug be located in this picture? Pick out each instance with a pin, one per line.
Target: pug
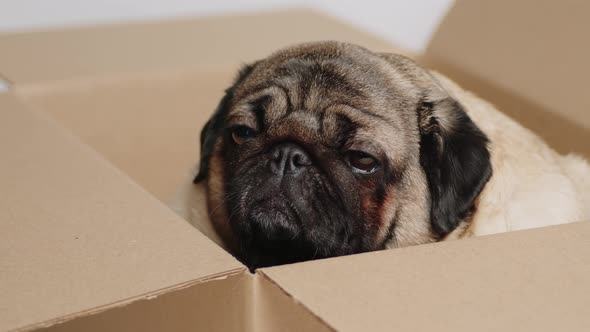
(327, 149)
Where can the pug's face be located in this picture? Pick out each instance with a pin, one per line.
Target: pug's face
(328, 149)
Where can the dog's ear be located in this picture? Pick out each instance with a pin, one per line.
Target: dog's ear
(454, 155)
(453, 150)
(213, 128)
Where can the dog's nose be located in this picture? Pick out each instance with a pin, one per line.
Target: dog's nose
(288, 158)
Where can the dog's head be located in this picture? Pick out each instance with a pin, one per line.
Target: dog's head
(328, 149)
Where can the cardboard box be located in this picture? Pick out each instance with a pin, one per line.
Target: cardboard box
(97, 133)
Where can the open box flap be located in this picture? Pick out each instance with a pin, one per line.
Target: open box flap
(146, 124)
(528, 57)
(77, 234)
(155, 140)
(222, 304)
(534, 280)
(59, 54)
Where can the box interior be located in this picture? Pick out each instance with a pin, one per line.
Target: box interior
(146, 125)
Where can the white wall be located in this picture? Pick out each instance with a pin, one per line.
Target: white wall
(405, 22)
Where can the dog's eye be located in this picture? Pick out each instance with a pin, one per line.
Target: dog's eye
(241, 134)
(362, 162)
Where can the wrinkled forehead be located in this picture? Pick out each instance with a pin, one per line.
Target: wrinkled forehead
(314, 74)
(325, 94)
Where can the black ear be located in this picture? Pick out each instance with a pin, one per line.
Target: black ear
(214, 126)
(456, 160)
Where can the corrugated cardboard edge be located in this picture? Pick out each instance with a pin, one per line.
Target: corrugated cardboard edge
(263, 298)
(125, 302)
(255, 319)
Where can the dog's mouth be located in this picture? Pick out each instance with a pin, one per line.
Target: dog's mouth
(272, 235)
(272, 224)
(287, 222)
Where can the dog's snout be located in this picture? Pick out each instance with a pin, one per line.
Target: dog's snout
(288, 159)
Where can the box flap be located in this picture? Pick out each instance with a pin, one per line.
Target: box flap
(179, 43)
(78, 234)
(147, 125)
(219, 305)
(530, 49)
(534, 280)
(276, 310)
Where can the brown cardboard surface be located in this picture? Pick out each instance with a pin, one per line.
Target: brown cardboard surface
(217, 305)
(77, 234)
(535, 280)
(156, 45)
(147, 125)
(278, 311)
(240, 302)
(536, 50)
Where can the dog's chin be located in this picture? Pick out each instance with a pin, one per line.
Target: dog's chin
(271, 234)
(288, 221)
